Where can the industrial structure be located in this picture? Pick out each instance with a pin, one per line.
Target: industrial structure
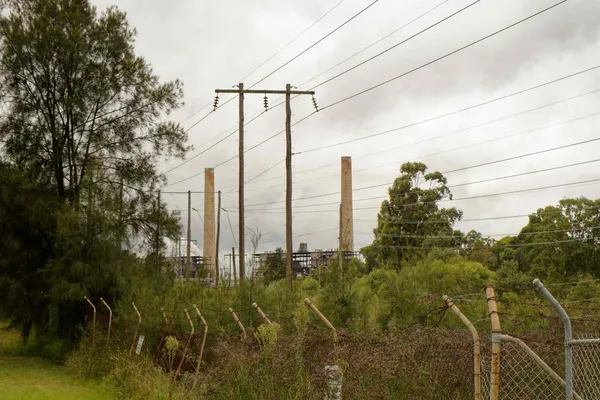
(304, 262)
(209, 248)
(346, 210)
(175, 253)
(203, 264)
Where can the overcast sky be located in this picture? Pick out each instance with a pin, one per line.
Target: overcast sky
(212, 45)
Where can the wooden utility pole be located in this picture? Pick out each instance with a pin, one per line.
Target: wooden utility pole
(340, 249)
(240, 92)
(288, 158)
(230, 272)
(188, 257)
(234, 273)
(289, 250)
(217, 241)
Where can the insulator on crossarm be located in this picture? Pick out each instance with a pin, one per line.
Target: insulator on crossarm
(216, 103)
(266, 101)
(314, 101)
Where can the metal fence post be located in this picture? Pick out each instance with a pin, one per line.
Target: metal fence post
(568, 337)
(109, 318)
(262, 314)
(164, 337)
(94, 322)
(235, 317)
(321, 317)
(333, 372)
(136, 328)
(187, 344)
(496, 343)
(201, 346)
(476, 347)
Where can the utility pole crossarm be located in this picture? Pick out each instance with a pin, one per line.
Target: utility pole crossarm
(253, 91)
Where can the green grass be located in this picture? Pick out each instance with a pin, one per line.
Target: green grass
(34, 378)
(31, 378)
(10, 341)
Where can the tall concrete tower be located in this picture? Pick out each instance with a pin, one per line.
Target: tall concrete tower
(209, 247)
(347, 219)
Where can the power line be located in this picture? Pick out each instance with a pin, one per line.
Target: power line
(449, 134)
(269, 59)
(293, 40)
(480, 219)
(361, 51)
(256, 116)
(230, 226)
(435, 154)
(265, 171)
(379, 54)
(452, 236)
(527, 173)
(404, 221)
(199, 154)
(506, 193)
(439, 201)
(450, 114)
(466, 168)
(486, 247)
(465, 146)
(315, 43)
(280, 102)
(207, 115)
(464, 220)
(526, 155)
(377, 42)
(395, 45)
(402, 75)
(195, 112)
(459, 111)
(260, 174)
(186, 192)
(305, 234)
(442, 57)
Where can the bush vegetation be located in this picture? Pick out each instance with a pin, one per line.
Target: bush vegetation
(84, 217)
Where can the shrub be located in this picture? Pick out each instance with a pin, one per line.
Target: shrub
(137, 378)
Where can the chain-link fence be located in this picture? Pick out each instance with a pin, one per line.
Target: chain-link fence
(582, 356)
(538, 366)
(412, 361)
(586, 368)
(524, 375)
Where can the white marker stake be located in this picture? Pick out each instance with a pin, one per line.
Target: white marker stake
(139, 344)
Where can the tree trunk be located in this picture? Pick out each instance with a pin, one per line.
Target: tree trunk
(26, 331)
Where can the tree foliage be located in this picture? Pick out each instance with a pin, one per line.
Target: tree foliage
(274, 267)
(558, 242)
(79, 101)
(27, 220)
(411, 219)
(86, 118)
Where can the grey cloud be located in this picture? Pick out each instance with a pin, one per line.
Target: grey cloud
(210, 47)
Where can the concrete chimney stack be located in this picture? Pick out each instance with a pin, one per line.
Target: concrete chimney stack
(209, 247)
(347, 219)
